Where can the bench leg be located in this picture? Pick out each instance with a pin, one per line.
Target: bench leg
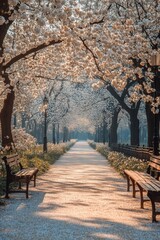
(128, 182)
(134, 188)
(154, 197)
(27, 187)
(19, 185)
(153, 212)
(35, 179)
(141, 196)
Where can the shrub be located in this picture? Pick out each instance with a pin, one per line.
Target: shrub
(92, 144)
(118, 160)
(42, 165)
(103, 149)
(22, 140)
(34, 157)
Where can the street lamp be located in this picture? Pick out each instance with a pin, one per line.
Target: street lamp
(155, 62)
(45, 106)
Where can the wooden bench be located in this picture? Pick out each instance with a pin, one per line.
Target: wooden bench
(134, 151)
(146, 182)
(16, 173)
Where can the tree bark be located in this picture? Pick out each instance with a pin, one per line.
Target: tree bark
(39, 133)
(114, 126)
(58, 133)
(65, 134)
(133, 113)
(4, 10)
(150, 124)
(6, 116)
(134, 127)
(152, 120)
(104, 131)
(15, 120)
(23, 117)
(54, 133)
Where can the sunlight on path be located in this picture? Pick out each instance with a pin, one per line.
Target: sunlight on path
(80, 197)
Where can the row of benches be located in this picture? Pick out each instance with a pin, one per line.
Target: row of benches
(143, 182)
(135, 151)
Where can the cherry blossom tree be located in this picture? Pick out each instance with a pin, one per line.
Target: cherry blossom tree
(16, 18)
(121, 63)
(95, 40)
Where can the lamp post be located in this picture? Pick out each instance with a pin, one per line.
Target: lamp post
(45, 105)
(155, 63)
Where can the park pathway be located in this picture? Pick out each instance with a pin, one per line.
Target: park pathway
(80, 198)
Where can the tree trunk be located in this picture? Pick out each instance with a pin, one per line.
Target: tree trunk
(6, 116)
(113, 127)
(65, 134)
(34, 129)
(4, 11)
(23, 117)
(39, 133)
(98, 134)
(134, 128)
(150, 124)
(132, 111)
(6, 112)
(95, 136)
(54, 133)
(15, 120)
(104, 131)
(58, 133)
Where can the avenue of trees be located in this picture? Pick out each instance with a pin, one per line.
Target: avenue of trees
(93, 60)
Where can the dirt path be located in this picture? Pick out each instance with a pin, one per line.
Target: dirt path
(80, 198)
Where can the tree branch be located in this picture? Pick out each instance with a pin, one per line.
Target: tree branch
(94, 57)
(30, 51)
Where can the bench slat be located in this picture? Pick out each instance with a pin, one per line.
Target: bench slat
(133, 174)
(12, 164)
(145, 183)
(146, 176)
(155, 160)
(148, 185)
(154, 165)
(26, 172)
(145, 180)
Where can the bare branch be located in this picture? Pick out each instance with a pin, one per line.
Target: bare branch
(98, 22)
